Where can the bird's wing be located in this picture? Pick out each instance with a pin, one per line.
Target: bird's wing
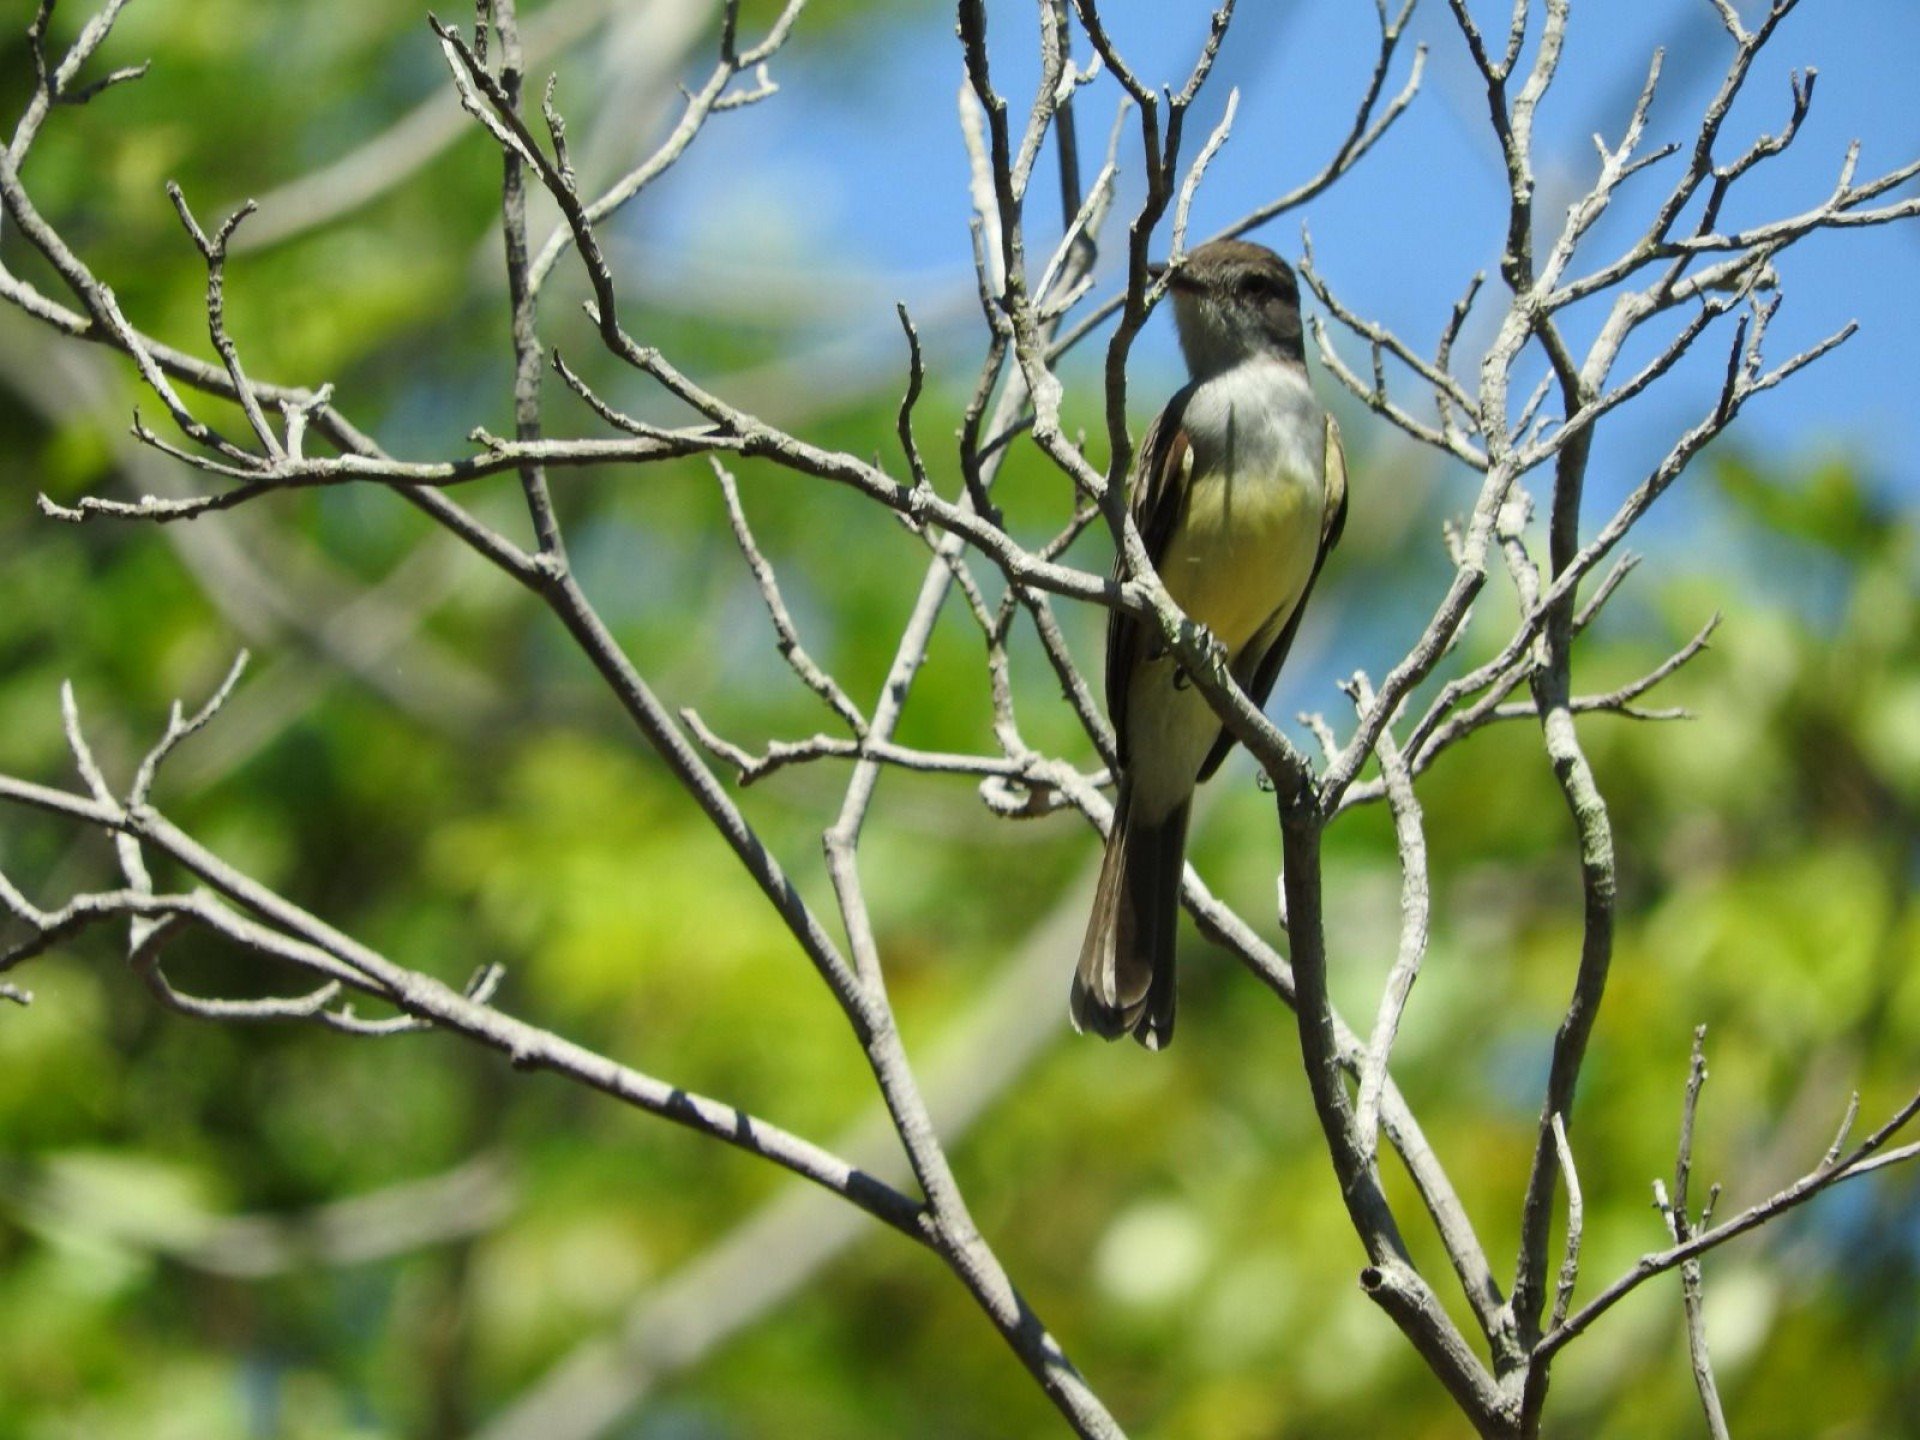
(1257, 679)
(1158, 486)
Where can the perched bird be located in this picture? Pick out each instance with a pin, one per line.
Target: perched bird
(1239, 492)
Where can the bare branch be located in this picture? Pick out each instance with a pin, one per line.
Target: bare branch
(395, 155)
(1415, 917)
(1198, 171)
(709, 99)
(214, 250)
(1864, 1159)
(1680, 1226)
(179, 727)
(292, 935)
(1576, 1208)
(1713, 271)
(791, 650)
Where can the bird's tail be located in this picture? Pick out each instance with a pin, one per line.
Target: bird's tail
(1124, 984)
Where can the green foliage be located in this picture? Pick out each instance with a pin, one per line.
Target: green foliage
(1173, 1218)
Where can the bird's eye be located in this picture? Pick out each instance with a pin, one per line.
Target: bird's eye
(1255, 286)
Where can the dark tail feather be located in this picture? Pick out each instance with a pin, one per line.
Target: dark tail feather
(1124, 984)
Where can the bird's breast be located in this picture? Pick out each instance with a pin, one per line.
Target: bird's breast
(1243, 548)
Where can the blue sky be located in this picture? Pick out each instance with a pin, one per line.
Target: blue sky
(853, 181)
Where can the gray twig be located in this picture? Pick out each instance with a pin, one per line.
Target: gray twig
(1681, 1227)
(1415, 916)
(1576, 1212)
(788, 636)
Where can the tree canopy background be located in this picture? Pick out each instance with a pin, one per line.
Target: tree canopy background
(421, 757)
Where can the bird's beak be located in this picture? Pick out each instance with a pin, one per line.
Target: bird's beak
(1178, 280)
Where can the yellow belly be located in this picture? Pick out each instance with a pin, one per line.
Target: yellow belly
(1242, 552)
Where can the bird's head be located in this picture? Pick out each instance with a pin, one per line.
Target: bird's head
(1232, 301)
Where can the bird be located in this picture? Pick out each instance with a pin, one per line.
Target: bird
(1239, 491)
